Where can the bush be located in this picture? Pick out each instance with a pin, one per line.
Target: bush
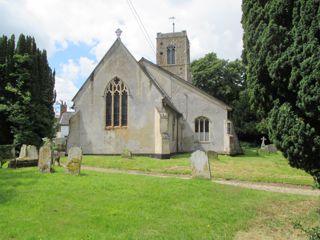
(7, 152)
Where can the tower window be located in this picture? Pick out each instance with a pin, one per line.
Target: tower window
(171, 55)
(116, 104)
(201, 127)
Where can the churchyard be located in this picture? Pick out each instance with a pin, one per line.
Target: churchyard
(119, 206)
(253, 166)
(47, 202)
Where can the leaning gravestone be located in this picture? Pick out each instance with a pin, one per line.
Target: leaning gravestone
(213, 155)
(45, 159)
(200, 165)
(73, 165)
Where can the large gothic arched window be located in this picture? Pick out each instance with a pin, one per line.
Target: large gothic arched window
(171, 54)
(116, 104)
(201, 128)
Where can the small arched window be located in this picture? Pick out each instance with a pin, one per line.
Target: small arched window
(171, 54)
(116, 104)
(201, 128)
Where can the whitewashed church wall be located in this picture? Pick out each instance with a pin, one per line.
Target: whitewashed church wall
(192, 105)
(138, 136)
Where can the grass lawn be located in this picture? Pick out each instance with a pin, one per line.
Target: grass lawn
(120, 206)
(249, 167)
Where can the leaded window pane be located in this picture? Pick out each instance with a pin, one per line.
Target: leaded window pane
(206, 129)
(109, 109)
(116, 109)
(201, 128)
(116, 104)
(124, 109)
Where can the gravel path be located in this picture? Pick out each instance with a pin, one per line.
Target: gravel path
(270, 187)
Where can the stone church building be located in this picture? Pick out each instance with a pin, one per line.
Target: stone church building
(149, 109)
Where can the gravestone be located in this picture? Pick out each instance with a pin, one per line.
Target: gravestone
(28, 152)
(271, 148)
(45, 159)
(126, 154)
(263, 144)
(32, 152)
(73, 165)
(200, 165)
(23, 152)
(212, 155)
(28, 157)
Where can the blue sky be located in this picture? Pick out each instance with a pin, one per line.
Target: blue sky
(77, 33)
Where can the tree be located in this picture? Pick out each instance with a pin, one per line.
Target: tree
(218, 77)
(282, 52)
(27, 92)
(6, 65)
(226, 81)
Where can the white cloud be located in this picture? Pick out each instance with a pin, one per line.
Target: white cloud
(86, 66)
(65, 89)
(57, 22)
(212, 26)
(69, 70)
(67, 78)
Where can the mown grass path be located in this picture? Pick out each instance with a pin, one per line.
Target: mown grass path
(270, 187)
(251, 167)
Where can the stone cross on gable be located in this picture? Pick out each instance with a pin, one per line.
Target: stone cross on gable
(118, 32)
(263, 139)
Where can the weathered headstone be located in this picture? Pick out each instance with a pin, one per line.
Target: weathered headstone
(271, 148)
(23, 151)
(73, 165)
(32, 152)
(28, 157)
(126, 154)
(45, 159)
(200, 165)
(212, 155)
(28, 152)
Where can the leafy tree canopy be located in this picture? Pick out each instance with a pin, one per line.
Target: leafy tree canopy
(226, 81)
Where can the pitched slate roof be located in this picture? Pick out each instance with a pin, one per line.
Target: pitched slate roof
(65, 117)
(181, 80)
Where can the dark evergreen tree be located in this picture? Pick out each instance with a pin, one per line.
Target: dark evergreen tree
(282, 52)
(7, 47)
(27, 83)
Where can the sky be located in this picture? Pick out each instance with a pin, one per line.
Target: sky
(77, 33)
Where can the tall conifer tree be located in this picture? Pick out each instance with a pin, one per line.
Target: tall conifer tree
(27, 92)
(282, 52)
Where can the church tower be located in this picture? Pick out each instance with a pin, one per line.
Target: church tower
(173, 53)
